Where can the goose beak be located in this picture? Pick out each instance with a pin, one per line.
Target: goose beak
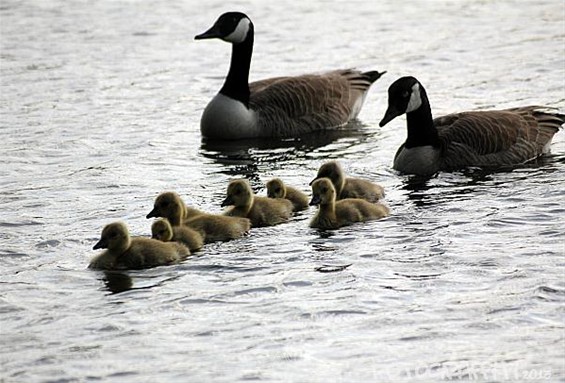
(227, 202)
(315, 200)
(211, 33)
(100, 244)
(152, 214)
(391, 114)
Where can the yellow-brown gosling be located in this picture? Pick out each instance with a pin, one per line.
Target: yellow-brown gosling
(334, 214)
(124, 252)
(276, 188)
(262, 211)
(171, 206)
(213, 227)
(162, 230)
(348, 187)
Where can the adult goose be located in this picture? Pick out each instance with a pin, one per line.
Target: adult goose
(280, 106)
(488, 139)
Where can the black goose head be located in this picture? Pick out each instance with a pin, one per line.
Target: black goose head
(404, 96)
(232, 27)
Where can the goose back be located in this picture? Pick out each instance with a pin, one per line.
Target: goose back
(496, 138)
(291, 106)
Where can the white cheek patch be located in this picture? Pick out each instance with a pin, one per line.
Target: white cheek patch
(240, 33)
(415, 99)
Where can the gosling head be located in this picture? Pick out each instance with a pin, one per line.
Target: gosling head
(276, 188)
(405, 95)
(162, 230)
(232, 27)
(239, 194)
(115, 236)
(167, 205)
(333, 171)
(323, 192)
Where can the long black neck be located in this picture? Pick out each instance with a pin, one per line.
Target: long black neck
(236, 85)
(421, 129)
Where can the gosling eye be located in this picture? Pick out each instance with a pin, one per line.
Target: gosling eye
(324, 190)
(278, 190)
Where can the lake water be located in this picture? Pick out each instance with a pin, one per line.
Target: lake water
(100, 105)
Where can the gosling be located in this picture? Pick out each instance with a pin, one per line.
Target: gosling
(124, 252)
(348, 187)
(213, 227)
(334, 214)
(277, 189)
(262, 211)
(162, 230)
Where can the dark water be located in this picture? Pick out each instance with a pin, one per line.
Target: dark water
(100, 105)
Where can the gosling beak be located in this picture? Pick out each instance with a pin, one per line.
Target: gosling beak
(102, 244)
(152, 214)
(315, 200)
(227, 202)
(390, 114)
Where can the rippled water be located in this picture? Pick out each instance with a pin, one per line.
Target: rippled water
(100, 105)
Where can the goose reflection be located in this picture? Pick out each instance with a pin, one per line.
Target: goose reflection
(117, 282)
(249, 156)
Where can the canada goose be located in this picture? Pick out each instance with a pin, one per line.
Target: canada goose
(280, 106)
(334, 214)
(277, 189)
(162, 230)
(124, 252)
(494, 138)
(347, 187)
(213, 227)
(262, 211)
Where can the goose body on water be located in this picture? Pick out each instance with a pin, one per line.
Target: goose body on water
(334, 214)
(280, 106)
(488, 139)
(124, 252)
(349, 187)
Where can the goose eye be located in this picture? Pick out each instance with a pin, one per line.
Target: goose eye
(405, 94)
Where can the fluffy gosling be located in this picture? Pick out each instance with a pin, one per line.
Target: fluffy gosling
(262, 211)
(124, 252)
(334, 214)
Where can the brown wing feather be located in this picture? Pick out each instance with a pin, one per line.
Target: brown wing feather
(495, 138)
(309, 102)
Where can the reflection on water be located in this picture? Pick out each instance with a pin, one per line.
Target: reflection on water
(245, 157)
(117, 282)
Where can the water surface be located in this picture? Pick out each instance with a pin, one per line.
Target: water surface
(100, 105)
